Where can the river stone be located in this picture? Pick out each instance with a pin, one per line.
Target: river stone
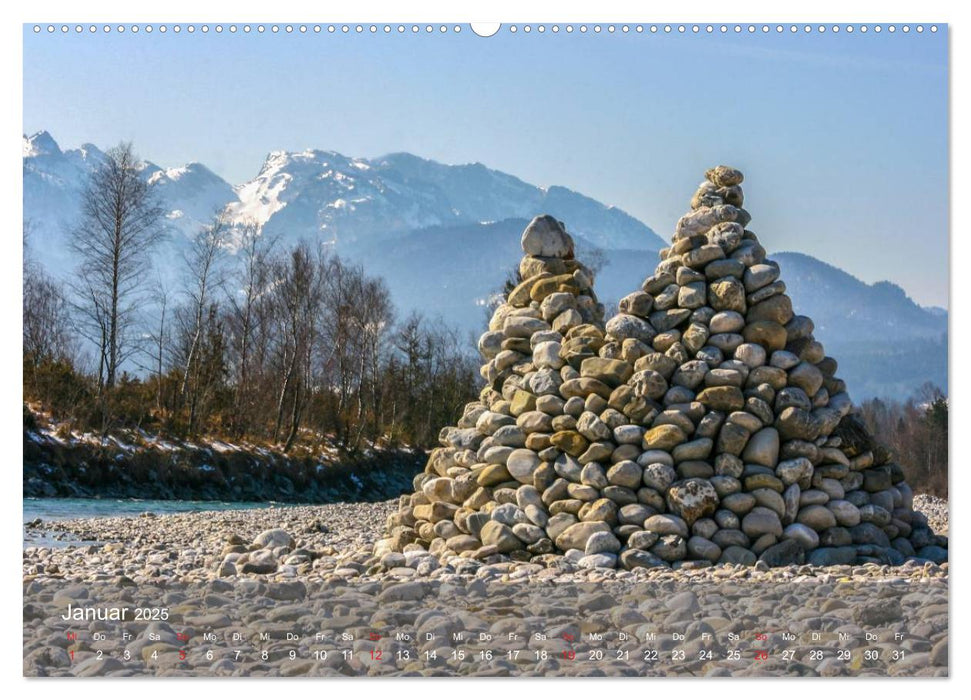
(692, 295)
(785, 553)
(763, 448)
(668, 319)
(803, 534)
(875, 480)
(693, 450)
(597, 561)
(501, 536)
(545, 237)
(846, 514)
(528, 533)
(570, 442)
(727, 294)
(807, 377)
(623, 326)
(832, 556)
(663, 437)
(735, 554)
(722, 398)
(702, 255)
(702, 548)
(659, 476)
(795, 470)
(625, 473)
(797, 424)
(819, 518)
(612, 372)
(724, 176)
(750, 354)
(592, 428)
(732, 439)
(576, 536)
(762, 521)
(262, 561)
(493, 475)
(271, 539)
(760, 275)
(508, 514)
(739, 503)
(692, 499)
(768, 334)
(521, 327)
(777, 309)
(637, 304)
(639, 559)
(670, 548)
(600, 542)
(547, 354)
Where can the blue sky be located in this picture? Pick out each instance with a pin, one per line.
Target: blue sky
(843, 138)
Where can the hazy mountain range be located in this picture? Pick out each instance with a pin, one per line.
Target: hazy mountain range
(445, 237)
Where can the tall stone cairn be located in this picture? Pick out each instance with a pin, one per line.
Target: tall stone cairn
(703, 424)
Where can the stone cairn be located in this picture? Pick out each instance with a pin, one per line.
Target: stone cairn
(703, 424)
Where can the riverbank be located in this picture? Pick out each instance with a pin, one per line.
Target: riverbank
(137, 465)
(310, 542)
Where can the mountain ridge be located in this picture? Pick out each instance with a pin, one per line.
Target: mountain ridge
(445, 237)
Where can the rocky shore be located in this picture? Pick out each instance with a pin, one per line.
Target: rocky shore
(149, 467)
(311, 571)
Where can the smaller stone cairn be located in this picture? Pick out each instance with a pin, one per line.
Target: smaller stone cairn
(702, 424)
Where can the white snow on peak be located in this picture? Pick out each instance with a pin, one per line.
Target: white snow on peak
(40, 144)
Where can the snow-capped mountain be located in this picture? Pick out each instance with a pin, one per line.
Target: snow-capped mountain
(446, 237)
(356, 200)
(191, 194)
(54, 180)
(323, 195)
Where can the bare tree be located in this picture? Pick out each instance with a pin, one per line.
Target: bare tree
(120, 224)
(157, 348)
(374, 316)
(46, 313)
(204, 275)
(248, 306)
(298, 297)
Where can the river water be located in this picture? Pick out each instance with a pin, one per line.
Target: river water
(53, 509)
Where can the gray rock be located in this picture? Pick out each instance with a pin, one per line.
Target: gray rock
(666, 524)
(600, 542)
(692, 499)
(670, 548)
(623, 326)
(785, 553)
(802, 534)
(639, 559)
(546, 237)
(501, 536)
(271, 539)
(576, 536)
(702, 548)
(602, 560)
(832, 556)
(737, 555)
(763, 448)
(762, 521)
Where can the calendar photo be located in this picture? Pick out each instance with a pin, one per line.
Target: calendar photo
(485, 350)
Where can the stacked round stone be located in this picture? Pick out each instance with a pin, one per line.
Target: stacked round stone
(703, 424)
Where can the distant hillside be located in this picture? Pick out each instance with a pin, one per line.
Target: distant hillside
(446, 237)
(885, 343)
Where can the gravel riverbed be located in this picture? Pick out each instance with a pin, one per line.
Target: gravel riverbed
(346, 611)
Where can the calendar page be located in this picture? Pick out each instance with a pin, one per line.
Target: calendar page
(551, 349)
